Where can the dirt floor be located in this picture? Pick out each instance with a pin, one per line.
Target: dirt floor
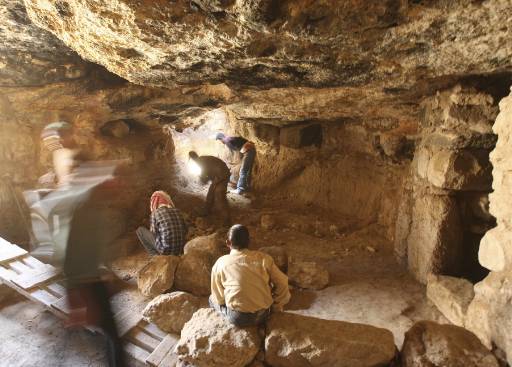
(367, 285)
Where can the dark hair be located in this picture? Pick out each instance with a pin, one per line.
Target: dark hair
(239, 236)
(192, 155)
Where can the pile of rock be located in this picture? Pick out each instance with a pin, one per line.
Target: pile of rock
(189, 273)
(291, 340)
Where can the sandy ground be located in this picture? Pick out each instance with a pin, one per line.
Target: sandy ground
(367, 285)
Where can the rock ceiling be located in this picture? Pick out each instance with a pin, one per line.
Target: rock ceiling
(321, 59)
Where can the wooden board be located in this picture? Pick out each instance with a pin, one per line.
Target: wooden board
(32, 262)
(142, 339)
(44, 297)
(160, 352)
(136, 352)
(153, 330)
(169, 360)
(10, 252)
(35, 277)
(57, 289)
(126, 320)
(19, 267)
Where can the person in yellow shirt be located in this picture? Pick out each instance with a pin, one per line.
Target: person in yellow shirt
(246, 284)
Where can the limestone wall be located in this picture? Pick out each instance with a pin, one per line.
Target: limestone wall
(443, 210)
(490, 313)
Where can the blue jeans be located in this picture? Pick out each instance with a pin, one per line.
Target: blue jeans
(147, 239)
(240, 319)
(244, 176)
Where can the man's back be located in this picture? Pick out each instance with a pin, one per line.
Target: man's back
(243, 281)
(213, 167)
(170, 230)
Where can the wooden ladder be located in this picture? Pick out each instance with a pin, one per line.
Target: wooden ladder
(43, 283)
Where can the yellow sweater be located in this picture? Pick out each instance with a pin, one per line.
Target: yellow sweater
(248, 281)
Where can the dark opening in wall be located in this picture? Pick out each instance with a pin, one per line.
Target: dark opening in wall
(300, 136)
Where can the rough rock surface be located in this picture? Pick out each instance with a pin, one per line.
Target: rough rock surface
(451, 296)
(171, 311)
(300, 341)
(430, 344)
(209, 340)
(435, 237)
(489, 314)
(193, 273)
(278, 254)
(158, 275)
(394, 43)
(307, 274)
(214, 245)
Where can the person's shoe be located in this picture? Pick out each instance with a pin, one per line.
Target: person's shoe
(237, 191)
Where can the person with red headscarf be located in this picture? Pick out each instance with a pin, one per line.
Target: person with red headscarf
(168, 231)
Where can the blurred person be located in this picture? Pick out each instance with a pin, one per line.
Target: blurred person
(57, 139)
(214, 170)
(246, 285)
(76, 215)
(168, 231)
(248, 152)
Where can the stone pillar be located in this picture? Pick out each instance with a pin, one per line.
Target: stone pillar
(436, 225)
(490, 313)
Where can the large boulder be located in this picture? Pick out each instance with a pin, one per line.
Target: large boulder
(209, 340)
(172, 310)
(193, 273)
(307, 274)
(451, 296)
(213, 244)
(430, 344)
(299, 341)
(157, 276)
(278, 254)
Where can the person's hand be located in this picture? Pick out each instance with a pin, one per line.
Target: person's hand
(277, 308)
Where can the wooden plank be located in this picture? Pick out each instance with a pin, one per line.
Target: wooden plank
(153, 330)
(126, 320)
(9, 251)
(35, 277)
(7, 274)
(57, 288)
(33, 262)
(142, 339)
(170, 360)
(19, 267)
(46, 298)
(167, 345)
(136, 352)
(62, 305)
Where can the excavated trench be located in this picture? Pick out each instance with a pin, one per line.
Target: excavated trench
(382, 152)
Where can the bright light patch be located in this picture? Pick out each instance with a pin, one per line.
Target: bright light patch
(194, 168)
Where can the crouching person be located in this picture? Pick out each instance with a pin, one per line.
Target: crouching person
(247, 285)
(168, 230)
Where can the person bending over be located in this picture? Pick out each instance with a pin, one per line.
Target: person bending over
(217, 172)
(247, 284)
(168, 231)
(248, 151)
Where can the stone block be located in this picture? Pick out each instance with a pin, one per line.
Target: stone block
(460, 170)
(193, 273)
(172, 310)
(495, 251)
(307, 274)
(451, 296)
(430, 344)
(209, 340)
(213, 244)
(435, 238)
(157, 276)
(300, 341)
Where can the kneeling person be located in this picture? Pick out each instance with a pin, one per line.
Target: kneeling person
(246, 284)
(168, 231)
